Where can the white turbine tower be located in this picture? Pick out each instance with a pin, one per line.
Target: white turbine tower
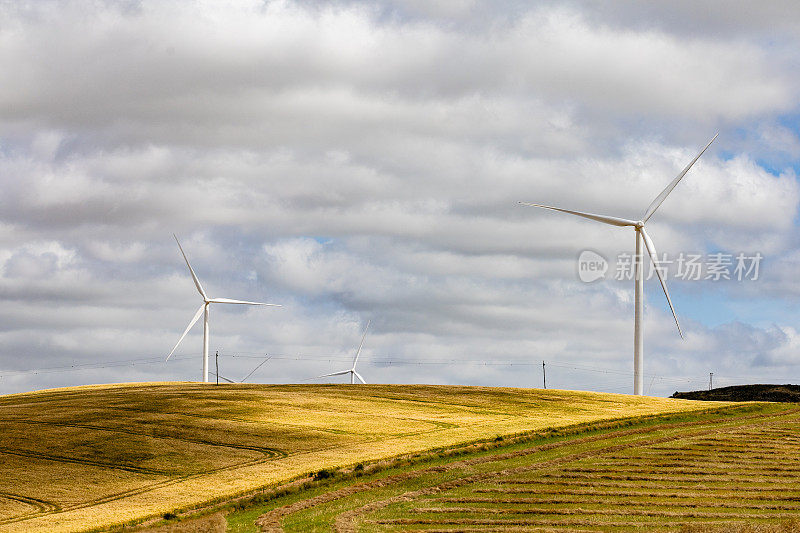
(204, 309)
(352, 370)
(641, 235)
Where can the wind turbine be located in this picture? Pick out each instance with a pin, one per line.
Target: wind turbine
(244, 378)
(203, 310)
(641, 235)
(352, 370)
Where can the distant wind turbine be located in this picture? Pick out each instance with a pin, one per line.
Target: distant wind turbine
(352, 370)
(244, 378)
(203, 310)
(641, 235)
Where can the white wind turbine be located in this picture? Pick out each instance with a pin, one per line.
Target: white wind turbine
(204, 309)
(352, 370)
(641, 235)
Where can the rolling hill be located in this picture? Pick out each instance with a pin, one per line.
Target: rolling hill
(98, 456)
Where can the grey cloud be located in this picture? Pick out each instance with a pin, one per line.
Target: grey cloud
(735, 19)
(288, 63)
(357, 161)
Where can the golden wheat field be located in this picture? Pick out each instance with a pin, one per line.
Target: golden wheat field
(98, 456)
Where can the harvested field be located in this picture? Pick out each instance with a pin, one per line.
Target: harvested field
(741, 473)
(94, 457)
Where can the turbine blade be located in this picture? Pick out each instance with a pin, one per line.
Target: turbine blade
(256, 368)
(360, 345)
(192, 323)
(359, 377)
(333, 374)
(661, 197)
(614, 221)
(194, 276)
(229, 301)
(222, 377)
(651, 250)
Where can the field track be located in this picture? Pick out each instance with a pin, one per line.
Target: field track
(702, 471)
(90, 458)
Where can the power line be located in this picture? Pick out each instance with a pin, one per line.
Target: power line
(91, 366)
(375, 360)
(479, 360)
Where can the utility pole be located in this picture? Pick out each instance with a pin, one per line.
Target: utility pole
(216, 360)
(710, 380)
(544, 376)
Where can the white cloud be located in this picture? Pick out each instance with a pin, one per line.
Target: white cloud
(360, 160)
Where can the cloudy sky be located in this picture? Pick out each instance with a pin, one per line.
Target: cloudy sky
(365, 160)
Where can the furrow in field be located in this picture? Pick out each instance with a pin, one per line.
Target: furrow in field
(161, 433)
(546, 522)
(698, 500)
(614, 490)
(67, 459)
(665, 479)
(650, 486)
(700, 462)
(710, 469)
(586, 511)
(29, 506)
